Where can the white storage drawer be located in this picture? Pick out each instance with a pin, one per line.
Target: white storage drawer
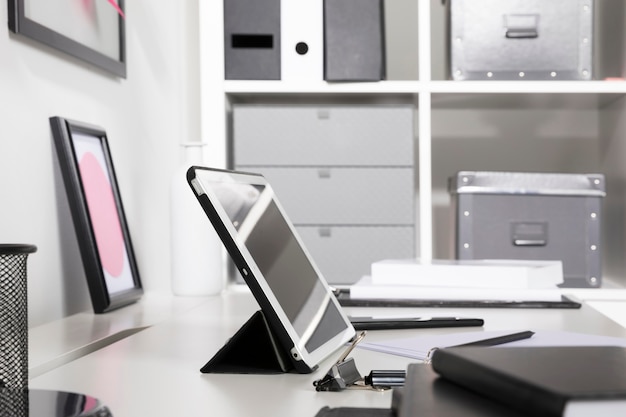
(322, 135)
(345, 254)
(349, 196)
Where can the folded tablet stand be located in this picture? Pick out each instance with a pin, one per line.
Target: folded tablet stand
(254, 349)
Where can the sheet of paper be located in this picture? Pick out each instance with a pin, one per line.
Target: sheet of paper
(418, 347)
(365, 289)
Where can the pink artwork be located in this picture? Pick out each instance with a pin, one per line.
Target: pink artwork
(117, 7)
(89, 8)
(104, 214)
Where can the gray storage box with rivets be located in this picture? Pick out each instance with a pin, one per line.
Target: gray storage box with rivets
(520, 39)
(535, 216)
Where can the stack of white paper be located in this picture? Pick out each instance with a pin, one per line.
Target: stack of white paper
(479, 280)
(482, 273)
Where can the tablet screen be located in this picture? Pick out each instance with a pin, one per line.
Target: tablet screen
(262, 232)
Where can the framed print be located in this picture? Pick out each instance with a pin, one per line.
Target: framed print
(90, 30)
(97, 212)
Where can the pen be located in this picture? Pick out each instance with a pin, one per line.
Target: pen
(493, 341)
(501, 339)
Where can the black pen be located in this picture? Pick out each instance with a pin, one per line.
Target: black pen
(492, 341)
(507, 338)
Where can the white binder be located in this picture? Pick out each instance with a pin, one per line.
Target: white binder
(302, 40)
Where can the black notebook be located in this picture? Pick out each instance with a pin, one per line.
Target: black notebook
(427, 394)
(542, 381)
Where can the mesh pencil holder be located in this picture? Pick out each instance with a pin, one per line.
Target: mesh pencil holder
(13, 329)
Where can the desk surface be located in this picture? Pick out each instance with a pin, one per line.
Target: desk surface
(156, 370)
(59, 342)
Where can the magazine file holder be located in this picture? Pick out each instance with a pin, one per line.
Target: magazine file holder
(254, 349)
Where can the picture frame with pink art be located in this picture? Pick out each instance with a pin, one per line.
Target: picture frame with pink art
(93, 31)
(98, 214)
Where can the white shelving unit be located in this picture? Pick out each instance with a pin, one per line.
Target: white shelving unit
(568, 126)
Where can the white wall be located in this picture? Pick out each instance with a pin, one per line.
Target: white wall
(145, 115)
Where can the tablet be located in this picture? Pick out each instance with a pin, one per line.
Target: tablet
(294, 296)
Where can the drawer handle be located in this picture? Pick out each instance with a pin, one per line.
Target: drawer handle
(323, 173)
(529, 242)
(323, 114)
(325, 232)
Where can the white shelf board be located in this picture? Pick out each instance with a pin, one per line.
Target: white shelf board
(322, 87)
(436, 87)
(527, 87)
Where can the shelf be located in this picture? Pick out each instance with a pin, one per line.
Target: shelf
(515, 125)
(588, 95)
(322, 87)
(437, 87)
(528, 87)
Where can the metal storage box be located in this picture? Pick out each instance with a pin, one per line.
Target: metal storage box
(521, 39)
(540, 216)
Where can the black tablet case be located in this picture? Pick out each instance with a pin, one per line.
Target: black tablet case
(254, 349)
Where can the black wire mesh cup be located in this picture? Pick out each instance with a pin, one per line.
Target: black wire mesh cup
(14, 329)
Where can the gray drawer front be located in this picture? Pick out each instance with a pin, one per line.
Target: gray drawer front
(345, 254)
(329, 136)
(348, 196)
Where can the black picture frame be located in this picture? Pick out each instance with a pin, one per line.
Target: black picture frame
(98, 214)
(22, 24)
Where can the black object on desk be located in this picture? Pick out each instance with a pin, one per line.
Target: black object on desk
(48, 403)
(423, 393)
(254, 349)
(542, 380)
(343, 296)
(389, 323)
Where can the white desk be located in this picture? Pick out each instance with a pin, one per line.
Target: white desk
(59, 342)
(155, 372)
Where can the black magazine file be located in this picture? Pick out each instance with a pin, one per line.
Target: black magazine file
(254, 349)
